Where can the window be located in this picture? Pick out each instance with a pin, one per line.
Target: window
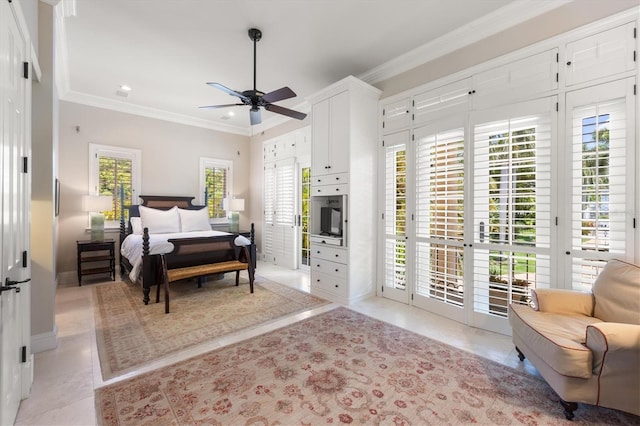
(215, 185)
(115, 172)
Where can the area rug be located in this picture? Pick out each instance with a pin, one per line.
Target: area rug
(130, 334)
(339, 367)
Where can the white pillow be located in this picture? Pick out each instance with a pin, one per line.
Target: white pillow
(194, 220)
(241, 240)
(160, 221)
(136, 225)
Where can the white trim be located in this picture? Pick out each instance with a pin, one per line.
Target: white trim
(110, 104)
(45, 341)
(506, 17)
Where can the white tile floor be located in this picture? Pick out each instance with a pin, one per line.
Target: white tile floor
(65, 377)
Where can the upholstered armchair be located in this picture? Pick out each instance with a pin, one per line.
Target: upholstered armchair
(586, 345)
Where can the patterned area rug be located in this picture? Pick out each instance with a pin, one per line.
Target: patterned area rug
(334, 368)
(130, 334)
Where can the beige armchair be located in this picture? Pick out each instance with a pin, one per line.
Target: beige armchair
(586, 345)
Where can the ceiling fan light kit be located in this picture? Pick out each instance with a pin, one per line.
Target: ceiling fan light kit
(256, 98)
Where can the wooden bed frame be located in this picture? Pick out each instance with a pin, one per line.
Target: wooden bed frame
(152, 273)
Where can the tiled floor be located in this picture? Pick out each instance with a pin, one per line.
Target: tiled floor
(65, 377)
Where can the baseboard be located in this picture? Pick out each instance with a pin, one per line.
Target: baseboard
(67, 277)
(45, 341)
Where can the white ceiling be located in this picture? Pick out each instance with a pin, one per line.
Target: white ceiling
(166, 50)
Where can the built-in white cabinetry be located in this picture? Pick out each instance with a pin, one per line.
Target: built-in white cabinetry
(343, 169)
(600, 55)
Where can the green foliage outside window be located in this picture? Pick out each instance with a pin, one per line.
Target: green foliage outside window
(115, 180)
(216, 189)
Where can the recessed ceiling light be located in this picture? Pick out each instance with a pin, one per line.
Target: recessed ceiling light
(231, 113)
(125, 88)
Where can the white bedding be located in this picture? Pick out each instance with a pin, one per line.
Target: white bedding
(158, 244)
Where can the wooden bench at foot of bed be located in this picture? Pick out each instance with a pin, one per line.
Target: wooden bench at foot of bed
(201, 257)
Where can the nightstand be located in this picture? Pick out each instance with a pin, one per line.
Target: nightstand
(96, 257)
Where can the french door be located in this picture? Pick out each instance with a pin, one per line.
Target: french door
(512, 207)
(396, 262)
(600, 184)
(438, 222)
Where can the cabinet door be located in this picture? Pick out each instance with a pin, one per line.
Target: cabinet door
(339, 125)
(320, 142)
(607, 53)
(396, 115)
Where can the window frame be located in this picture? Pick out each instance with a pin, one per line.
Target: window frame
(135, 155)
(208, 162)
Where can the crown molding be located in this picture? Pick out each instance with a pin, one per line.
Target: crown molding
(110, 104)
(506, 17)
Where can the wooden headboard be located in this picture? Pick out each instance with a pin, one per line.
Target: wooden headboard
(160, 202)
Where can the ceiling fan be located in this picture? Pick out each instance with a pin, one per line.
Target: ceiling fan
(255, 98)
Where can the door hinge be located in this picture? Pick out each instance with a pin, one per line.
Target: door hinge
(411, 296)
(634, 56)
(383, 112)
(23, 354)
(557, 57)
(383, 142)
(24, 259)
(25, 165)
(634, 223)
(25, 70)
(634, 89)
(557, 77)
(382, 216)
(382, 289)
(556, 220)
(557, 107)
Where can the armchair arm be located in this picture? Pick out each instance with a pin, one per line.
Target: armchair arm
(562, 301)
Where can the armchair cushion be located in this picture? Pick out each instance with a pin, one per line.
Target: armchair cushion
(562, 301)
(558, 339)
(616, 293)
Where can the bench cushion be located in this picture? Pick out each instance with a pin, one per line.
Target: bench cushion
(207, 269)
(558, 338)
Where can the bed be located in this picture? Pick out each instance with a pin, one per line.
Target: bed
(141, 247)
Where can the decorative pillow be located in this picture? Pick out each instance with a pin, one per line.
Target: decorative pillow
(160, 221)
(241, 240)
(194, 220)
(136, 225)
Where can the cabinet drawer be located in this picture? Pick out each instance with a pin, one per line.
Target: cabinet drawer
(333, 179)
(319, 251)
(338, 270)
(330, 189)
(322, 239)
(329, 284)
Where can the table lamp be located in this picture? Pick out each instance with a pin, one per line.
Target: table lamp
(95, 205)
(233, 206)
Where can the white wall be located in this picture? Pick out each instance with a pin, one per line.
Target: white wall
(170, 163)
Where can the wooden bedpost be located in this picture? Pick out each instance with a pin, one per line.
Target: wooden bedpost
(122, 237)
(146, 265)
(253, 251)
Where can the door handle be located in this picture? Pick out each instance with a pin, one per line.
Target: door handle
(11, 285)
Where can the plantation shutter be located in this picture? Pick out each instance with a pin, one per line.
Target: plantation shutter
(439, 218)
(269, 209)
(285, 192)
(601, 182)
(395, 212)
(512, 204)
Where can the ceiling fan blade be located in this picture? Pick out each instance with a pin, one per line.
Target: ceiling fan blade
(220, 106)
(229, 91)
(278, 95)
(285, 111)
(255, 116)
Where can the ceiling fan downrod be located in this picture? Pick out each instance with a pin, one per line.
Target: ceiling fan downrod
(255, 35)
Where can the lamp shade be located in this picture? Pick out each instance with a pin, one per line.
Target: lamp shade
(233, 204)
(96, 203)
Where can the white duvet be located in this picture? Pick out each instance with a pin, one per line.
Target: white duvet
(158, 244)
